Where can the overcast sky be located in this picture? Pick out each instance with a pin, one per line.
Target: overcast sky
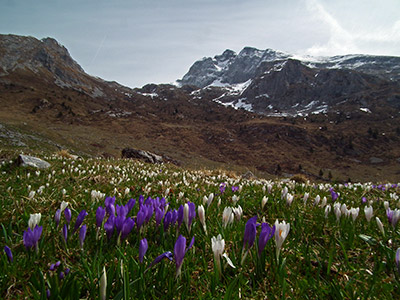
(136, 42)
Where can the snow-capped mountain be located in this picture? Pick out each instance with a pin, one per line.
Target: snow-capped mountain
(275, 83)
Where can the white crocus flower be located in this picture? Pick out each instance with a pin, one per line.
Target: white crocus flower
(202, 217)
(337, 211)
(289, 199)
(386, 205)
(34, 220)
(284, 192)
(327, 210)
(323, 202)
(369, 211)
(316, 200)
(281, 231)
(354, 212)
(186, 215)
(218, 246)
(210, 199)
(227, 216)
(306, 195)
(238, 212)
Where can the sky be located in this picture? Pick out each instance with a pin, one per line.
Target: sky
(136, 42)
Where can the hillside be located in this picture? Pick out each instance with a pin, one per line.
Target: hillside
(49, 102)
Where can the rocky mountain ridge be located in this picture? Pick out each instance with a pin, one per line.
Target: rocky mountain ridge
(278, 84)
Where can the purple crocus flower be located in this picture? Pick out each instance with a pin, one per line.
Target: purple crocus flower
(8, 252)
(149, 213)
(180, 215)
(159, 215)
(192, 212)
(235, 188)
(250, 232)
(222, 187)
(109, 200)
(141, 216)
(67, 214)
(364, 200)
(79, 219)
(66, 271)
(267, 232)
(57, 217)
(65, 232)
(48, 293)
(180, 251)
(109, 226)
(334, 195)
(100, 213)
(159, 258)
(122, 211)
(143, 246)
(82, 235)
(61, 275)
(393, 216)
(31, 238)
(167, 220)
(127, 227)
(131, 203)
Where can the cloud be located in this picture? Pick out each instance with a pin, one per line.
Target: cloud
(340, 41)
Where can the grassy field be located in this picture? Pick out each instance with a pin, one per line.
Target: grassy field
(331, 249)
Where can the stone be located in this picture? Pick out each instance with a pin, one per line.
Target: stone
(375, 160)
(31, 161)
(142, 155)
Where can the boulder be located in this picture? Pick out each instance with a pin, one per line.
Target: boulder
(142, 155)
(248, 175)
(31, 161)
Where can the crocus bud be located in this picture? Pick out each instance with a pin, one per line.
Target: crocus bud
(82, 235)
(63, 205)
(8, 252)
(143, 246)
(380, 225)
(264, 201)
(57, 217)
(202, 217)
(34, 220)
(368, 210)
(67, 214)
(103, 285)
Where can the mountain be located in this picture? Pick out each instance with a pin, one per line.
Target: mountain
(48, 103)
(46, 58)
(274, 83)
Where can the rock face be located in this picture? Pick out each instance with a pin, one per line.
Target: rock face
(31, 161)
(142, 155)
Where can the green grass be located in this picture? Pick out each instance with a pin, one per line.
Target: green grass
(321, 257)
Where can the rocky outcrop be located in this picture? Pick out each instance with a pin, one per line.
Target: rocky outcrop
(142, 155)
(31, 161)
